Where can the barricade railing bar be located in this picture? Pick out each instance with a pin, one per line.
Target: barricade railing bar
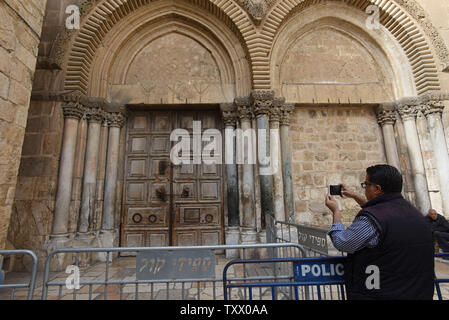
(299, 290)
(439, 281)
(287, 287)
(277, 283)
(14, 287)
(167, 286)
(313, 239)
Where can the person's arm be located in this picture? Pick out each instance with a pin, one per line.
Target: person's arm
(445, 223)
(353, 195)
(360, 234)
(332, 204)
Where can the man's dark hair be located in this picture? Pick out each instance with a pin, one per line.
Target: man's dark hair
(388, 177)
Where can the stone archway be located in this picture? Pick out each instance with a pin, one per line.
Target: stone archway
(228, 23)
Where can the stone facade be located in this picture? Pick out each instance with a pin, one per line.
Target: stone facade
(331, 146)
(337, 96)
(20, 31)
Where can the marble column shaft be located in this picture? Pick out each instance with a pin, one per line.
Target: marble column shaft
(275, 153)
(245, 115)
(95, 117)
(115, 122)
(73, 112)
(229, 118)
(433, 111)
(262, 101)
(408, 114)
(287, 179)
(386, 117)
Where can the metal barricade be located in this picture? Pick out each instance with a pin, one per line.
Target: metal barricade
(327, 283)
(314, 240)
(439, 281)
(150, 278)
(14, 287)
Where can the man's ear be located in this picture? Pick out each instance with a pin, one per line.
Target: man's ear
(379, 189)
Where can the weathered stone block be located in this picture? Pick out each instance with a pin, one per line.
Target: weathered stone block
(4, 86)
(7, 111)
(32, 144)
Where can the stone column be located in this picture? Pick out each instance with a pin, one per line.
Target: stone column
(275, 153)
(73, 109)
(232, 231)
(262, 101)
(433, 111)
(115, 122)
(287, 110)
(95, 116)
(108, 233)
(386, 117)
(408, 113)
(245, 114)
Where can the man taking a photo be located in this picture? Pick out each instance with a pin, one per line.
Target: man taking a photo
(388, 233)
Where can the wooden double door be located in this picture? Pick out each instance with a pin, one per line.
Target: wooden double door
(167, 204)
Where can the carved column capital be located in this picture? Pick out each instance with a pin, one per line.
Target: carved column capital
(386, 114)
(73, 106)
(407, 111)
(244, 110)
(95, 115)
(228, 111)
(116, 119)
(433, 107)
(287, 111)
(95, 111)
(262, 101)
(276, 109)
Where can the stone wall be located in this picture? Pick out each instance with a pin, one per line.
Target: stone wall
(32, 211)
(20, 30)
(330, 146)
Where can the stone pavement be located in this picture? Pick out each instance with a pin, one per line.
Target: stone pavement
(125, 269)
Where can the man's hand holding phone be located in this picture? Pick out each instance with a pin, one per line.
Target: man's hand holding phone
(333, 206)
(353, 195)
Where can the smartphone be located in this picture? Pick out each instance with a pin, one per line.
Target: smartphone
(336, 190)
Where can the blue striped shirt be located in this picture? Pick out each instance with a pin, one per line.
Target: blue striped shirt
(360, 234)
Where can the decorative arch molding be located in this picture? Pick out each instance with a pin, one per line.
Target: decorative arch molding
(111, 65)
(101, 16)
(384, 54)
(395, 19)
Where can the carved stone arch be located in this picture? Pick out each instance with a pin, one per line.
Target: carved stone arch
(110, 67)
(74, 51)
(406, 27)
(384, 65)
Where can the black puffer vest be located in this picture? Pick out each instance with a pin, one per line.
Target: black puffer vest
(404, 255)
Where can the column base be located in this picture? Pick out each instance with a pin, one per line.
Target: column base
(232, 238)
(262, 238)
(95, 239)
(107, 239)
(59, 261)
(248, 236)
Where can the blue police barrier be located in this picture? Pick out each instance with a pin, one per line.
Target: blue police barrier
(440, 280)
(307, 272)
(319, 270)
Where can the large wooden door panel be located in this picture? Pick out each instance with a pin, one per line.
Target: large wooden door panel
(167, 204)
